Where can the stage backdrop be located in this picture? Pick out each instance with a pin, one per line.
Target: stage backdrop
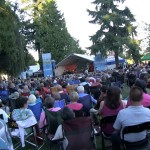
(47, 65)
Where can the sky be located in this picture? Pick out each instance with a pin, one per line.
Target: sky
(77, 19)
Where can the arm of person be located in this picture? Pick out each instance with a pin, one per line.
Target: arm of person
(93, 100)
(118, 125)
(101, 107)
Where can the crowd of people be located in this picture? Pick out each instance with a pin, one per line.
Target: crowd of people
(81, 95)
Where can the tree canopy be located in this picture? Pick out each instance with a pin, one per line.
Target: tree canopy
(116, 31)
(11, 41)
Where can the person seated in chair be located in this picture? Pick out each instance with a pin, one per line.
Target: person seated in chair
(111, 106)
(81, 93)
(66, 114)
(4, 114)
(21, 113)
(38, 97)
(26, 91)
(49, 104)
(63, 94)
(74, 105)
(133, 115)
(146, 97)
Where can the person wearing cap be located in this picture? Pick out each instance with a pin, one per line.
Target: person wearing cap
(146, 97)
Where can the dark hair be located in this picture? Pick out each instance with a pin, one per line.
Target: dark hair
(21, 101)
(49, 102)
(141, 84)
(104, 89)
(67, 114)
(136, 94)
(113, 97)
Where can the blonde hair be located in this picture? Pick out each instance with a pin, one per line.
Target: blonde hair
(74, 96)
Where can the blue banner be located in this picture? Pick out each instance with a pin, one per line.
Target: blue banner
(99, 63)
(47, 65)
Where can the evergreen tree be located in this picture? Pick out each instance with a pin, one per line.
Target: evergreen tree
(116, 31)
(48, 31)
(11, 41)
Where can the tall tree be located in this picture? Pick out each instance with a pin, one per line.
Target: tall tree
(147, 39)
(116, 31)
(11, 41)
(49, 32)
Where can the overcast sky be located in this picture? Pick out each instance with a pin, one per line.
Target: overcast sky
(77, 17)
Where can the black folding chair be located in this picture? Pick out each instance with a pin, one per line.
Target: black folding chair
(103, 122)
(139, 145)
(53, 120)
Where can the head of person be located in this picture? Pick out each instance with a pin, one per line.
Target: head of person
(67, 114)
(56, 96)
(22, 102)
(25, 89)
(112, 99)
(16, 95)
(59, 88)
(74, 96)
(141, 84)
(36, 93)
(49, 102)
(80, 89)
(104, 89)
(32, 99)
(136, 95)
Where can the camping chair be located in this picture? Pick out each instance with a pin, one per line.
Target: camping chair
(32, 133)
(78, 113)
(140, 145)
(87, 104)
(103, 122)
(4, 96)
(53, 120)
(36, 109)
(59, 103)
(78, 132)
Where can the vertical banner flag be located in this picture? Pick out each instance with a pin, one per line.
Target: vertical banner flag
(99, 63)
(47, 65)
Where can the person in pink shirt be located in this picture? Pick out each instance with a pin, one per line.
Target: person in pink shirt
(76, 107)
(146, 97)
(49, 103)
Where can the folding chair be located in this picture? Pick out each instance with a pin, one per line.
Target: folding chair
(78, 113)
(53, 120)
(78, 132)
(59, 103)
(32, 133)
(140, 145)
(4, 95)
(36, 109)
(87, 104)
(103, 123)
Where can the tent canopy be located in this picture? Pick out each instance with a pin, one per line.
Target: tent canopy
(146, 57)
(76, 59)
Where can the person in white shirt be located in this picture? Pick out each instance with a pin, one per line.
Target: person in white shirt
(5, 116)
(133, 115)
